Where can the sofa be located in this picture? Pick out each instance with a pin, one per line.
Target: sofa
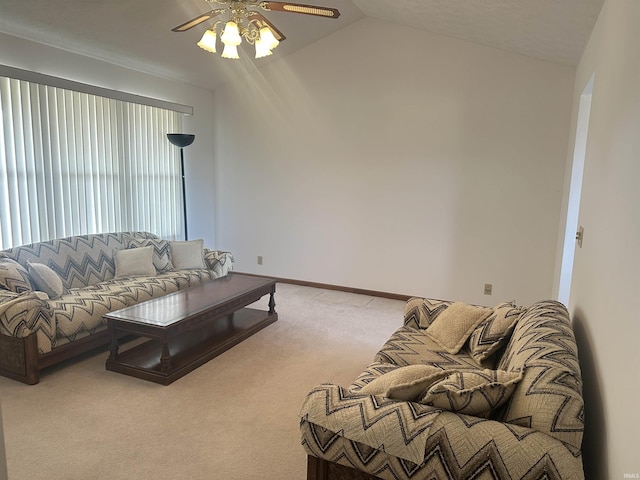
(53, 294)
(458, 392)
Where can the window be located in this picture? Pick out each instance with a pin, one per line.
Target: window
(74, 163)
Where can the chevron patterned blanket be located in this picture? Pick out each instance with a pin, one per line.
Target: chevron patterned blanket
(535, 430)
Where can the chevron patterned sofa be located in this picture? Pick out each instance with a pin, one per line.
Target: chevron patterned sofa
(37, 331)
(529, 429)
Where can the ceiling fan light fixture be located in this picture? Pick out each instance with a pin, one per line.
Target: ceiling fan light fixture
(266, 36)
(231, 35)
(208, 41)
(262, 49)
(242, 20)
(230, 51)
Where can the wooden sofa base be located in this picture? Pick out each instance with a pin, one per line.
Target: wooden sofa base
(321, 469)
(19, 359)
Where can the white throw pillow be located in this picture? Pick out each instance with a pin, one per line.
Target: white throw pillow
(45, 279)
(135, 261)
(188, 254)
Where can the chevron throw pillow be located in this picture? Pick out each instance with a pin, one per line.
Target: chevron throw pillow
(13, 276)
(472, 393)
(494, 332)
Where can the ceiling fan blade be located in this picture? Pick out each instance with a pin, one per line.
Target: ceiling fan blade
(197, 21)
(262, 22)
(301, 8)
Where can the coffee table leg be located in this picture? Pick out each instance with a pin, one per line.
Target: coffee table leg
(272, 302)
(165, 358)
(113, 346)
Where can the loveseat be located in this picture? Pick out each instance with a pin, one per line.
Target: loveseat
(469, 393)
(53, 294)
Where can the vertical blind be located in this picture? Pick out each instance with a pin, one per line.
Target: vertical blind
(72, 163)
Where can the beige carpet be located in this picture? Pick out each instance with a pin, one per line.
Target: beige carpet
(234, 418)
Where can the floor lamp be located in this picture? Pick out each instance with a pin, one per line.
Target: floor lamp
(182, 140)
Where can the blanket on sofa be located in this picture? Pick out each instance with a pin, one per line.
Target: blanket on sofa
(368, 419)
(85, 266)
(536, 433)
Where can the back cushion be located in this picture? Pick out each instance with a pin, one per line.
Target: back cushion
(80, 260)
(549, 396)
(420, 312)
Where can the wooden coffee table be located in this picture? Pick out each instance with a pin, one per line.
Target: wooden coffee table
(189, 327)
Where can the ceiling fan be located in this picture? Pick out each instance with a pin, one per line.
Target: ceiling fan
(258, 30)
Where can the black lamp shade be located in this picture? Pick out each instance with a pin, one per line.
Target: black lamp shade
(181, 139)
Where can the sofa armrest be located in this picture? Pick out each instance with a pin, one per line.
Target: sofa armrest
(219, 261)
(26, 313)
(21, 313)
(398, 428)
(494, 439)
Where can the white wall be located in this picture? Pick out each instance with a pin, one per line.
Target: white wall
(419, 165)
(605, 280)
(27, 55)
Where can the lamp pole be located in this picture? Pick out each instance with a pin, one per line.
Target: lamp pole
(182, 140)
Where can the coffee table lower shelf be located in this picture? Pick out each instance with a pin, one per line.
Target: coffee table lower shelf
(191, 349)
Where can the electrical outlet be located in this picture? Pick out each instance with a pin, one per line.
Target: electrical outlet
(488, 288)
(259, 259)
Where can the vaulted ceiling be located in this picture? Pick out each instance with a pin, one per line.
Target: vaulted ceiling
(137, 34)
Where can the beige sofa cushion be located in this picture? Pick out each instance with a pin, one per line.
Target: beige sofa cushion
(405, 383)
(187, 255)
(134, 261)
(452, 327)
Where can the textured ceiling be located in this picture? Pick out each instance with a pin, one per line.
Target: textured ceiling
(137, 33)
(553, 30)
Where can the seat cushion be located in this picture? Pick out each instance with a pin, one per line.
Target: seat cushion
(80, 311)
